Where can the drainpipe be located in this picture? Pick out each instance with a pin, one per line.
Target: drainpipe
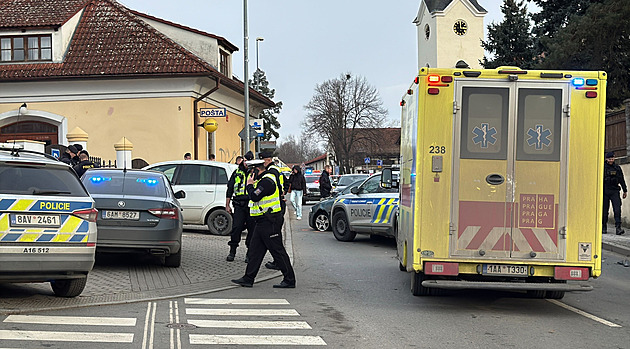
(196, 118)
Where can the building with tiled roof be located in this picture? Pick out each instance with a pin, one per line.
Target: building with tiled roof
(113, 72)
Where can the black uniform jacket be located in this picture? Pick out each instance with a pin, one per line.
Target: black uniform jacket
(613, 178)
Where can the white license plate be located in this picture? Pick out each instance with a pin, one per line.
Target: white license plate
(35, 220)
(131, 215)
(505, 269)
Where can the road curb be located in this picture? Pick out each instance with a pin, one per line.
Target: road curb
(616, 248)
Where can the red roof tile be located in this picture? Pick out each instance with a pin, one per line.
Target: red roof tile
(29, 13)
(109, 41)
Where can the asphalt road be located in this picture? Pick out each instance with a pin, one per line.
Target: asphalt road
(352, 295)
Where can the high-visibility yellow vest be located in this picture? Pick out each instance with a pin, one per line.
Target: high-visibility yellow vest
(239, 183)
(268, 202)
(280, 176)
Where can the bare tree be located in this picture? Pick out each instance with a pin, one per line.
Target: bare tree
(338, 108)
(294, 150)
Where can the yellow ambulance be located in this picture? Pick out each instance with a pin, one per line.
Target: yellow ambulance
(501, 180)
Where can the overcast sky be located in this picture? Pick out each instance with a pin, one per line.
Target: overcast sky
(309, 42)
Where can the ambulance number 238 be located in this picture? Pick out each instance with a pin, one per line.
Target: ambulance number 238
(437, 149)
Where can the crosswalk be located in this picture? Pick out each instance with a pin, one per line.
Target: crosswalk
(247, 315)
(203, 322)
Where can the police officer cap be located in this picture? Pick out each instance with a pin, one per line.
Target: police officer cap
(249, 155)
(266, 154)
(254, 163)
(610, 154)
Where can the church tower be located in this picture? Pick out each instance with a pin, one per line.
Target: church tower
(449, 31)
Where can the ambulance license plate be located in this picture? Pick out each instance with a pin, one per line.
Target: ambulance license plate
(505, 270)
(35, 220)
(131, 215)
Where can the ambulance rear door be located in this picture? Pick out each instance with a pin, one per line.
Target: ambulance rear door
(509, 162)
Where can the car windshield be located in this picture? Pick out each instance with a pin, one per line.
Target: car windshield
(311, 179)
(113, 182)
(345, 180)
(30, 180)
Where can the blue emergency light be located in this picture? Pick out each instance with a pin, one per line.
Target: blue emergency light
(148, 181)
(578, 82)
(99, 179)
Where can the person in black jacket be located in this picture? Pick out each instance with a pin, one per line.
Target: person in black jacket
(265, 209)
(324, 182)
(296, 186)
(237, 195)
(70, 156)
(613, 178)
(84, 164)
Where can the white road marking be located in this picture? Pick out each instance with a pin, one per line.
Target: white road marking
(67, 336)
(292, 325)
(71, 320)
(255, 340)
(206, 301)
(175, 334)
(583, 313)
(147, 338)
(152, 326)
(243, 312)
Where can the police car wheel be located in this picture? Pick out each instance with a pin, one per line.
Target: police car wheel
(341, 228)
(219, 222)
(322, 222)
(69, 287)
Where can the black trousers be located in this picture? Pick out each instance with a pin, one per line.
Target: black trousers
(265, 238)
(240, 221)
(612, 196)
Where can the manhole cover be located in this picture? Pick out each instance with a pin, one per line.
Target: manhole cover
(182, 326)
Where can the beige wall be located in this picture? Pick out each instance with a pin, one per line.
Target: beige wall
(160, 129)
(453, 47)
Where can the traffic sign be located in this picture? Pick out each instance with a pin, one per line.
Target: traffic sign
(55, 152)
(252, 134)
(367, 160)
(379, 162)
(258, 125)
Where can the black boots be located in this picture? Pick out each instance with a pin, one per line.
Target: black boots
(604, 230)
(619, 230)
(231, 255)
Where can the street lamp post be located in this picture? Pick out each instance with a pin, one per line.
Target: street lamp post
(246, 75)
(258, 39)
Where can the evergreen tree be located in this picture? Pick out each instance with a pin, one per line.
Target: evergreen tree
(510, 42)
(260, 84)
(597, 40)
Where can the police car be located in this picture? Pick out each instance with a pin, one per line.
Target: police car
(368, 209)
(47, 222)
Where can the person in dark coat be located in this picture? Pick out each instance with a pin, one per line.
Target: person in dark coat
(84, 164)
(237, 195)
(70, 156)
(613, 179)
(324, 182)
(296, 186)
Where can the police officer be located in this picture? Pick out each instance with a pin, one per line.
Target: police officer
(265, 209)
(271, 167)
(613, 178)
(84, 163)
(240, 217)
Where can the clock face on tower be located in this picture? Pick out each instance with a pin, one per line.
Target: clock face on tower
(460, 27)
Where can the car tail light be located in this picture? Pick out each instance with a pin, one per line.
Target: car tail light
(86, 214)
(168, 213)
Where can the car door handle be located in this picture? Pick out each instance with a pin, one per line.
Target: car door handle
(495, 179)
(210, 190)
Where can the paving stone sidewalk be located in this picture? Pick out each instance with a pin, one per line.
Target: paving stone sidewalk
(119, 279)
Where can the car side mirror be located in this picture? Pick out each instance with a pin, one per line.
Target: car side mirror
(180, 194)
(386, 178)
(355, 190)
